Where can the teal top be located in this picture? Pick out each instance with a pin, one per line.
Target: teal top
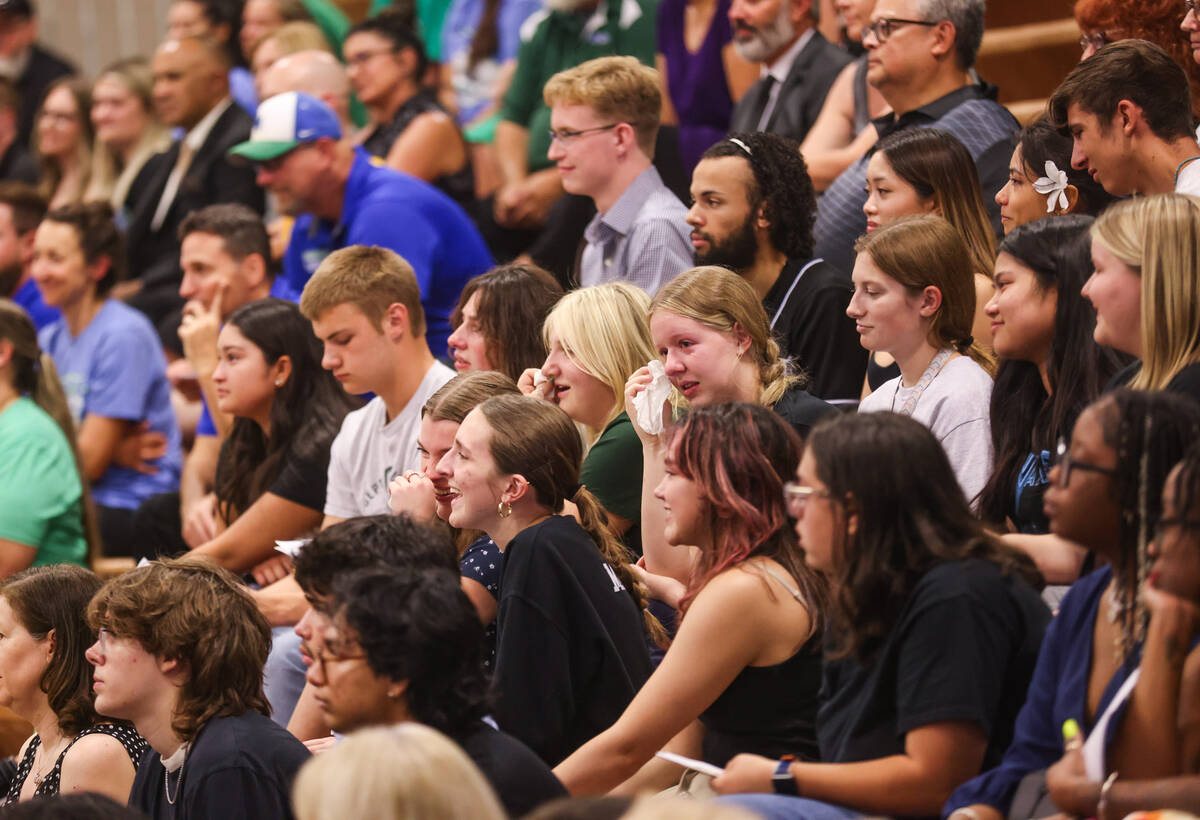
(41, 495)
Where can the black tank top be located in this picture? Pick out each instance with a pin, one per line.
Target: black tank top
(768, 710)
(459, 186)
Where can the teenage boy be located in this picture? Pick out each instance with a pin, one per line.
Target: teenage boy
(604, 117)
(180, 654)
(1129, 113)
(365, 306)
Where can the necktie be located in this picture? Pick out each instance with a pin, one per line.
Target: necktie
(182, 163)
(763, 102)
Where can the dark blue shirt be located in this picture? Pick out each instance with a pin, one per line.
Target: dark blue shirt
(1058, 691)
(392, 210)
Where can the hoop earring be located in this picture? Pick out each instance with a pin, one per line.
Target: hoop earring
(504, 509)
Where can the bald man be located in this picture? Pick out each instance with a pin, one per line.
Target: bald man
(191, 92)
(315, 72)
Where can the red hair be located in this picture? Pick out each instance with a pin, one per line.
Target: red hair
(1154, 20)
(739, 456)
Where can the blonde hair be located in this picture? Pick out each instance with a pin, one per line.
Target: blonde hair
(110, 178)
(50, 174)
(294, 37)
(1159, 236)
(369, 278)
(605, 332)
(619, 89)
(926, 251)
(403, 772)
(720, 299)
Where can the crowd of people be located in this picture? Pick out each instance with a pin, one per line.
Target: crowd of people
(515, 410)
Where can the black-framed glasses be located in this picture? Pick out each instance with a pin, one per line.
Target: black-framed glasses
(797, 495)
(1065, 464)
(565, 137)
(882, 28)
(1185, 524)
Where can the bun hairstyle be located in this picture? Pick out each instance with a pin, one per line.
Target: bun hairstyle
(538, 441)
(719, 298)
(925, 251)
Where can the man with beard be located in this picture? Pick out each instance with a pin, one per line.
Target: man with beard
(604, 116)
(753, 213)
(798, 65)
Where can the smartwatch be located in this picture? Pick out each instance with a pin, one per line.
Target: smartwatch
(782, 780)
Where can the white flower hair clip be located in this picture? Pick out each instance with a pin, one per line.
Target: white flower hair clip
(1054, 184)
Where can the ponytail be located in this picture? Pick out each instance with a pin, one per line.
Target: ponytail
(597, 523)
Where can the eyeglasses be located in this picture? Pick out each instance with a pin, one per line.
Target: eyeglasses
(363, 57)
(1190, 6)
(1098, 40)
(882, 28)
(1065, 464)
(324, 657)
(565, 138)
(797, 495)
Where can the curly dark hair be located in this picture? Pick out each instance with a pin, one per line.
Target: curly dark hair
(1025, 418)
(370, 541)
(55, 599)
(912, 517)
(417, 625)
(781, 186)
(306, 412)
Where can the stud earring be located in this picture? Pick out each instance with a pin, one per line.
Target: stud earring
(504, 509)
(279, 382)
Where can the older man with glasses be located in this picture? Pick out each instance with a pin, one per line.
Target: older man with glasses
(921, 53)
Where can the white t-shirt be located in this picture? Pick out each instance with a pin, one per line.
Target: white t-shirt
(1189, 179)
(370, 451)
(956, 408)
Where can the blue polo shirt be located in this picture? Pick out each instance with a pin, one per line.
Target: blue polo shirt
(393, 210)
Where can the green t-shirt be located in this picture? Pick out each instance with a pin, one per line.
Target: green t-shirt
(41, 497)
(612, 471)
(553, 41)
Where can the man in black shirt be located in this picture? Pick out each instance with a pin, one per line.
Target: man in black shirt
(753, 210)
(180, 654)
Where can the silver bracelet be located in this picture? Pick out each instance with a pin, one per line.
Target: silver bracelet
(1102, 805)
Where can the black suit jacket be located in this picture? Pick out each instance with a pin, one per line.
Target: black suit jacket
(802, 95)
(211, 179)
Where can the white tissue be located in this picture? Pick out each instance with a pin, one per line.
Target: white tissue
(649, 403)
(539, 378)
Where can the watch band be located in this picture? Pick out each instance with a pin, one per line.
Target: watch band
(782, 781)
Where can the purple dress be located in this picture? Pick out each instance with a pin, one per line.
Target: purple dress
(697, 84)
